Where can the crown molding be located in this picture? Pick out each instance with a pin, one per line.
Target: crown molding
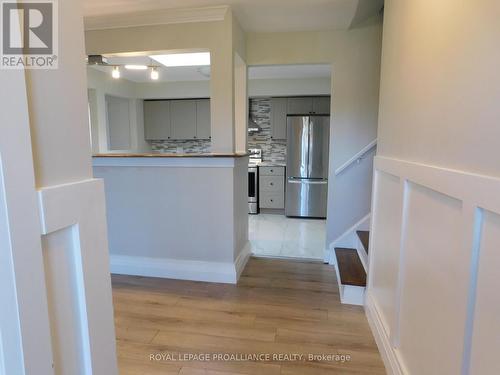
(156, 17)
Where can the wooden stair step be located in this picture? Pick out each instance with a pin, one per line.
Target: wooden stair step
(364, 236)
(350, 267)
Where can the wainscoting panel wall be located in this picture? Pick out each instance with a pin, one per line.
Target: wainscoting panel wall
(433, 261)
(485, 340)
(384, 269)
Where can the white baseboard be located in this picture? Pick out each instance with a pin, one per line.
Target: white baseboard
(216, 272)
(242, 259)
(393, 364)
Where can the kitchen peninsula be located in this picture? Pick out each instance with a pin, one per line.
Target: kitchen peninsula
(180, 216)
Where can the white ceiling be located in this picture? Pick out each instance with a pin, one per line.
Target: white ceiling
(254, 15)
(198, 73)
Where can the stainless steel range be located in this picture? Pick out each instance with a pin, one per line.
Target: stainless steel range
(255, 158)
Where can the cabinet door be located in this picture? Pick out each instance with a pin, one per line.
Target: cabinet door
(183, 119)
(156, 119)
(118, 118)
(278, 118)
(321, 105)
(300, 106)
(203, 119)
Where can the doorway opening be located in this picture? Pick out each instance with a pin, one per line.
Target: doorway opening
(288, 141)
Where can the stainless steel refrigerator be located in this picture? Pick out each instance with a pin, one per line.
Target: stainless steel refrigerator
(307, 166)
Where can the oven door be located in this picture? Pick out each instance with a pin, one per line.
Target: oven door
(253, 190)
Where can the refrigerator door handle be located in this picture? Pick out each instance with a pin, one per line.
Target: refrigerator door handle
(307, 182)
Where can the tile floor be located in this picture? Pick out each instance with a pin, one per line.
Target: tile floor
(280, 236)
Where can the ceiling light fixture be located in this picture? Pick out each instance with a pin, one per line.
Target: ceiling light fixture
(183, 59)
(115, 72)
(154, 73)
(136, 67)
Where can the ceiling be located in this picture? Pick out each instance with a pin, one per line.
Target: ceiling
(254, 15)
(202, 73)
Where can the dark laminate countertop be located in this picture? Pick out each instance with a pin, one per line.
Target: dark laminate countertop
(165, 155)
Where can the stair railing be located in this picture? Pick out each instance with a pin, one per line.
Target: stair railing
(357, 158)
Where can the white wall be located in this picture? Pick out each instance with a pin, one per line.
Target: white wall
(436, 216)
(289, 87)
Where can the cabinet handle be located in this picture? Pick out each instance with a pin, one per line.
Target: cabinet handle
(271, 170)
(271, 183)
(271, 200)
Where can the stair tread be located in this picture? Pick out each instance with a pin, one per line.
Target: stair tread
(350, 267)
(364, 236)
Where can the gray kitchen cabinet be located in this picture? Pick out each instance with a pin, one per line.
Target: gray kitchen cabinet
(321, 105)
(272, 200)
(300, 105)
(118, 123)
(272, 187)
(183, 119)
(156, 120)
(278, 118)
(272, 171)
(271, 183)
(203, 119)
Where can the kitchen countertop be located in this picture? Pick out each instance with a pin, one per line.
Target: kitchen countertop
(271, 164)
(165, 155)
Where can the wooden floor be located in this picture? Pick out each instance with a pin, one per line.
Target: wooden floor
(278, 306)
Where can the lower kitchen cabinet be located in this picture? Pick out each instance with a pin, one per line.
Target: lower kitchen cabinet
(272, 187)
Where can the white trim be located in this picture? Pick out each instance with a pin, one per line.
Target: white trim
(216, 272)
(242, 259)
(452, 182)
(359, 155)
(173, 162)
(156, 17)
(24, 315)
(80, 206)
(362, 253)
(389, 355)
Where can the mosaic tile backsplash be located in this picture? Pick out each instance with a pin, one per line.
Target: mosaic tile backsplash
(272, 150)
(193, 146)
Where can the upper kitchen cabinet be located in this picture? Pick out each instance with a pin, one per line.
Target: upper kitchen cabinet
(157, 120)
(309, 105)
(321, 105)
(300, 106)
(177, 119)
(183, 119)
(278, 118)
(203, 119)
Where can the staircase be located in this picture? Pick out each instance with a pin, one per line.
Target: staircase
(351, 265)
